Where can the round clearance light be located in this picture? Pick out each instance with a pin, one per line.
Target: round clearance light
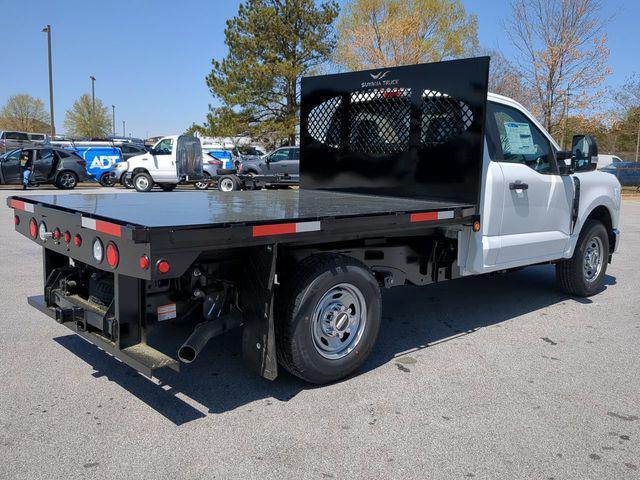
(144, 262)
(33, 228)
(67, 237)
(16, 219)
(113, 257)
(77, 240)
(57, 234)
(98, 251)
(42, 231)
(163, 266)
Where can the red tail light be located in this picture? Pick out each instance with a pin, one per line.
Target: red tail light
(67, 237)
(113, 256)
(16, 219)
(217, 163)
(82, 163)
(56, 234)
(77, 240)
(163, 266)
(33, 228)
(144, 262)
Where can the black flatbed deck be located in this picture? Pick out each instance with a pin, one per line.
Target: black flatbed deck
(180, 210)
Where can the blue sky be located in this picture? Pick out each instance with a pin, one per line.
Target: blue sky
(150, 57)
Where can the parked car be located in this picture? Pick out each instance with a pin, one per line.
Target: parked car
(627, 173)
(282, 161)
(605, 160)
(12, 140)
(210, 166)
(57, 166)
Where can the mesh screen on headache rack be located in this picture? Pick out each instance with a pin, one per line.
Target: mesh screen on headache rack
(412, 131)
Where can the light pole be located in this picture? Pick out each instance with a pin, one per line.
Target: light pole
(93, 106)
(47, 30)
(113, 119)
(123, 129)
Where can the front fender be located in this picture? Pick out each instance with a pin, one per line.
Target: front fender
(596, 189)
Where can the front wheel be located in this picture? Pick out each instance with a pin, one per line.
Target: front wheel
(143, 182)
(328, 317)
(126, 181)
(583, 274)
(66, 180)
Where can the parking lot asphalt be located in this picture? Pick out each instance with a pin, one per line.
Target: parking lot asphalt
(498, 377)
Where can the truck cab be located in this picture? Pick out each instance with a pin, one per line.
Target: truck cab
(528, 193)
(172, 160)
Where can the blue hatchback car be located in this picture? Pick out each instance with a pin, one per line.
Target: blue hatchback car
(627, 173)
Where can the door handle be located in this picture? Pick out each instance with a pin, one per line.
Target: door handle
(518, 185)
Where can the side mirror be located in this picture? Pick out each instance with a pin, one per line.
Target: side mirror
(584, 152)
(152, 151)
(566, 162)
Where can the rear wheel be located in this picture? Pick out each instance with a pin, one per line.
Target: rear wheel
(66, 180)
(228, 183)
(583, 274)
(143, 182)
(126, 181)
(328, 317)
(203, 184)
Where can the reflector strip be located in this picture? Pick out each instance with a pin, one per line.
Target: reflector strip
(102, 226)
(20, 205)
(431, 216)
(285, 228)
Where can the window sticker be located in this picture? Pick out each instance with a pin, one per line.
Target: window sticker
(519, 139)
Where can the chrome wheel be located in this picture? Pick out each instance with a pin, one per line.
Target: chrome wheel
(593, 259)
(338, 321)
(226, 185)
(142, 183)
(67, 180)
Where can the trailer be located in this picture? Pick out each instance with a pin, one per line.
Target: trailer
(397, 188)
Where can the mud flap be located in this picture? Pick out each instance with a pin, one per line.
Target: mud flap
(256, 298)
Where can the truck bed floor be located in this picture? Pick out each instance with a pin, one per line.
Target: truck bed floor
(213, 208)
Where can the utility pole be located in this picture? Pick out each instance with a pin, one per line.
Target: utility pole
(566, 119)
(638, 140)
(93, 106)
(113, 119)
(47, 30)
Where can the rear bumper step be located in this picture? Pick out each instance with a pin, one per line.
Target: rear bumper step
(140, 357)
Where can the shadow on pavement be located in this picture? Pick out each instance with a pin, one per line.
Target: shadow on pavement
(413, 319)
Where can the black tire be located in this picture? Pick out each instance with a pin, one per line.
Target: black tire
(126, 182)
(143, 182)
(574, 274)
(227, 171)
(168, 187)
(228, 183)
(105, 181)
(297, 347)
(66, 180)
(203, 184)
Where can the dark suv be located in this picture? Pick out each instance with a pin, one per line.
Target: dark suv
(282, 161)
(56, 166)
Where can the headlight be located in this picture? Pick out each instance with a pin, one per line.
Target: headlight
(98, 251)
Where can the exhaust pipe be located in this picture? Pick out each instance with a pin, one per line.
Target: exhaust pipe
(214, 325)
(203, 332)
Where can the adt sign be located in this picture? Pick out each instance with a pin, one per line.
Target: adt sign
(99, 159)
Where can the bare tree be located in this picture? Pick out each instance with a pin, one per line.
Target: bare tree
(627, 99)
(562, 52)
